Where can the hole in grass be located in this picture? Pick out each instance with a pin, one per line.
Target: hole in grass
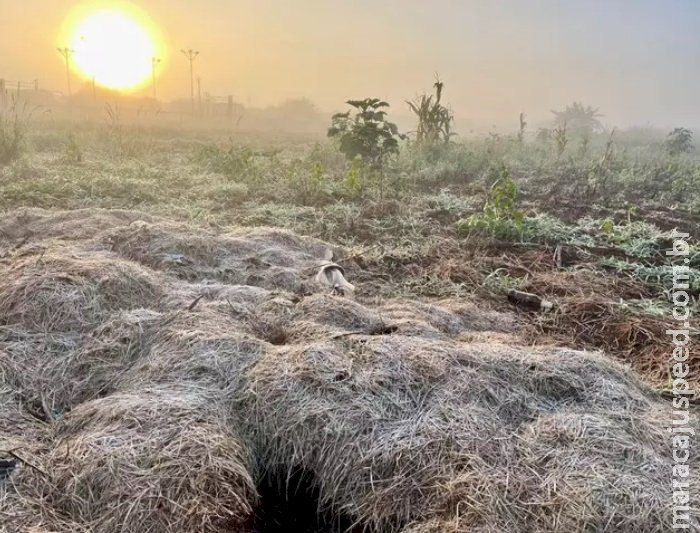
(383, 329)
(274, 330)
(290, 501)
(276, 334)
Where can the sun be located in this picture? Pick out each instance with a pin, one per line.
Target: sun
(114, 48)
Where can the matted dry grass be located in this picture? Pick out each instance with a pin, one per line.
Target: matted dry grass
(152, 375)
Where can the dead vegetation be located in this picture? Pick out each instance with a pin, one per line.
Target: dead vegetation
(592, 308)
(157, 377)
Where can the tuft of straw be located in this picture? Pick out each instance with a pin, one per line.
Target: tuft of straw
(155, 377)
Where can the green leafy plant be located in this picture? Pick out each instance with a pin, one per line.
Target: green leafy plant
(434, 119)
(607, 226)
(310, 181)
(365, 133)
(72, 152)
(500, 217)
(501, 201)
(353, 179)
(236, 163)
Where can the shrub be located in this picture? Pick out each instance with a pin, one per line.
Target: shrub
(13, 133)
(679, 141)
(71, 151)
(237, 162)
(366, 134)
(500, 217)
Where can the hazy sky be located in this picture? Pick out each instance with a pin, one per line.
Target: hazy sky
(638, 60)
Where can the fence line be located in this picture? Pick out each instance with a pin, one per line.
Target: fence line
(14, 86)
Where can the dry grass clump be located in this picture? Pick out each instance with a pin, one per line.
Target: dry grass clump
(194, 348)
(27, 361)
(639, 339)
(19, 426)
(339, 314)
(157, 460)
(400, 431)
(29, 226)
(453, 318)
(93, 370)
(60, 291)
(585, 283)
(156, 378)
(52, 372)
(273, 259)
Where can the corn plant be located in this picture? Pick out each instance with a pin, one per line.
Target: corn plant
(434, 119)
(560, 138)
(600, 173)
(521, 130)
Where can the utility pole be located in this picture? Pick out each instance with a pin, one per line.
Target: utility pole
(191, 55)
(67, 53)
(154, 64)
(199, 95)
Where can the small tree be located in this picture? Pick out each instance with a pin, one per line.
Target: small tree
(679, 141)
(579, 119)
(434, 119)
(365, 133)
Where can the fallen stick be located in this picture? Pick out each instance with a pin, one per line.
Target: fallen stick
(528, 300)
(13, 453)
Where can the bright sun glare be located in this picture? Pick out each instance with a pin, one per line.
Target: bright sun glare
(113, 48)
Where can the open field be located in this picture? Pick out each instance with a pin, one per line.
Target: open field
(167, 362)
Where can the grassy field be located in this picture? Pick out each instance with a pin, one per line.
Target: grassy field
(587, 228)
(158, 308)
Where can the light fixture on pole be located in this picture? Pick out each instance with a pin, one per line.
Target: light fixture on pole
(67, 53)
(191, 55)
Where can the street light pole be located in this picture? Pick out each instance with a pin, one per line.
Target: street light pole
(67, 53)
(191, 55)
(154, 64)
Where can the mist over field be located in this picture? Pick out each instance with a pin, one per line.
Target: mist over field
(322, 266)
(635, 60)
